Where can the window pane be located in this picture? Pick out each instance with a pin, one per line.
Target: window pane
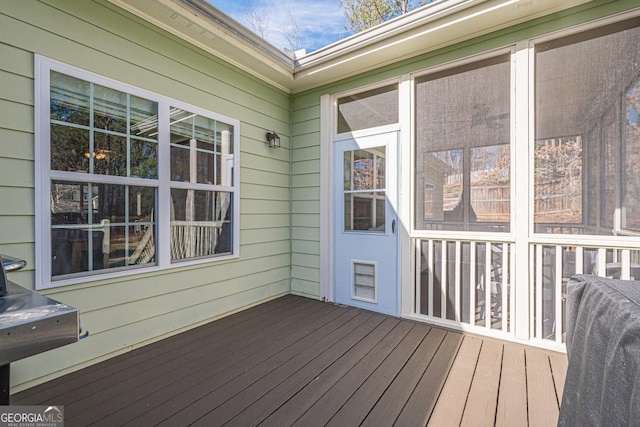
(364, 211)
(463, 157)
(69, 99)
(110, 154)
(368, 109)
(144, 159)
(143, 117)
(100, 226)
(201, 149)
(364, 170)
(587, 140)
(109, 109)
(93, 137)
(200, 223)
(69, 148)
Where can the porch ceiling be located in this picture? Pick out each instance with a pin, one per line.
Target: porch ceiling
(434, 26)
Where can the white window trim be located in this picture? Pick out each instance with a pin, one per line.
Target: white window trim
(43, 176)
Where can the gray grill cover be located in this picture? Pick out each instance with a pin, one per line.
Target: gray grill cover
(603, 346)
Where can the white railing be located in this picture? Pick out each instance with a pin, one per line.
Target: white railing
(551, 267)
(191, 239)
(469, 284)
(465, 283)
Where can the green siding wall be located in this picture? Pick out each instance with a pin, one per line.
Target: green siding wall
(124, 313)
(305, 179)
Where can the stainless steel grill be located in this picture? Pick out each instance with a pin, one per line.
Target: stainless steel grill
(30, 323)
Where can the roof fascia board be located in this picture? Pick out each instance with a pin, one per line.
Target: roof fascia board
(415, 18)
(206, 27)
(434, 26)
(232, 28)
(416, 33)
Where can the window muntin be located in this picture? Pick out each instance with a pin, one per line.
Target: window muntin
(365, 190)
(99, 204)
(201, 149)
(96, 130)
(100, 226)
(368, 109)
(587, 131)
(463, 137)
(202, 161)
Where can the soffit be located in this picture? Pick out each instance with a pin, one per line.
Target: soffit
(437, 25)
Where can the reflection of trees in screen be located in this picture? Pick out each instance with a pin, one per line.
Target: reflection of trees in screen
(558, 180)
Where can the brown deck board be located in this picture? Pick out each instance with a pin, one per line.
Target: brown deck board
(347, 381)
(308, 386)
(142, 380)
(423, 399)
(197, 382)
(354, 411)
(543, 404)
(512, 398)
(453, 398)
(559, 364)
(390, 404)
(75, 383)
(225, 375)
(294, 360)
(271, 372)
(344, 353)
(483, 395)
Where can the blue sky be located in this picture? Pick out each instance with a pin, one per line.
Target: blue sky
(321, 22)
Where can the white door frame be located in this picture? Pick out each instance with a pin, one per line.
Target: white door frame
(327, 135)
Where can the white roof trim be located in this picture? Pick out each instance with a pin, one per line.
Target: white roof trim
(436, 25)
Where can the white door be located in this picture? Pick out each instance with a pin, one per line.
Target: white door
(366, 223)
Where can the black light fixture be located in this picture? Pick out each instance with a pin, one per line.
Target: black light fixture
(273, 139)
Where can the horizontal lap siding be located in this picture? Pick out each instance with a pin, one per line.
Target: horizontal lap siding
(125, 313)
(305, 198)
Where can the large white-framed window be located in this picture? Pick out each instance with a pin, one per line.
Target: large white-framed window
(128, 180)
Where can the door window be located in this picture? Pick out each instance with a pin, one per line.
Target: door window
(364, 190)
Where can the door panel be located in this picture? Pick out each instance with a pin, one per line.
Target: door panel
(366, 223)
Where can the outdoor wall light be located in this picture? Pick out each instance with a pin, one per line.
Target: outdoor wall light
(273, 139)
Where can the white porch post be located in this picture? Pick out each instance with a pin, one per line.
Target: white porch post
(326, 203)
(521, 205)
(406, 260)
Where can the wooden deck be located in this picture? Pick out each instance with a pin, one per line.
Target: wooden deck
(295, 361)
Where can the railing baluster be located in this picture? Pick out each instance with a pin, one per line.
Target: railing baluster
(558, 293)
(430, 275)
(458, 262)
(538, 288)
(443, 281)
(472, 283)
(512, 294)
(579, 260)
(602, 262)
(504, 290)
(418, 277)
(625, 264)
(487, 284)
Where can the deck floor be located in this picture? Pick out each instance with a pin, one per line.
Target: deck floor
(296, 361)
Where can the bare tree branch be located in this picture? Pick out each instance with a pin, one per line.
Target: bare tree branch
(258, 21)
(291, 32)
